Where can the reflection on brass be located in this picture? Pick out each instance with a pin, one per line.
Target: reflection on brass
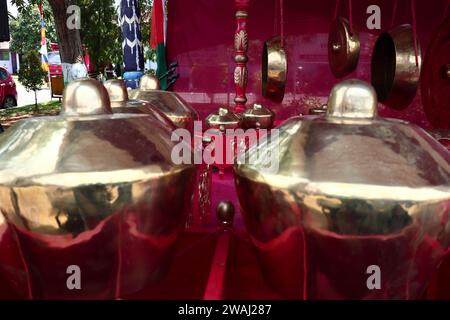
(446, 71)
(120, 103)
(343, 48)
(149, 82)
(258, 117)
(318, 111)
(223, 120)
(443, 136)
(117, 90)
(225, 213)
(85, 98)
(435, 78)
(169, 103)
(395, 74)
(440, 134)
(91, 189)
(350, 190)
(274, 70)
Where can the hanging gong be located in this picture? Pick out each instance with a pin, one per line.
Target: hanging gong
(274, 70)
(395, 71)
(435, 84)
(343, 48)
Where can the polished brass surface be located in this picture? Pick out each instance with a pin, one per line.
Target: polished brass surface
(446, 69)
(117, 90)
(318, 111)
(223, 119)
(395, 74)
(440, 134)
(274, 70)
(343, 48)
(258, 117)
(85, 97)
(92, 189)
(352, 99)
(435, 78)
(226, 213)
(169, 103)
(149, 82)
(443, 136)
(351, 190)
(120, 103)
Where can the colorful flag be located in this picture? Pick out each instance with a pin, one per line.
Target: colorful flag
(158, 40)
(43, 51)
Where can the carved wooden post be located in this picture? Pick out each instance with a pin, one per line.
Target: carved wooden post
(240, 55)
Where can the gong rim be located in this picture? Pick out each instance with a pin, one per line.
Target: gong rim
(274, 70)
(394, 73)
(435, 82)
(343, 48)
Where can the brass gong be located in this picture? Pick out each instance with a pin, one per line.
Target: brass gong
(92, 187)
(348, 189)
(435, 83)
(258, 117)
(274, 70)
(343, 48)
(395, 74)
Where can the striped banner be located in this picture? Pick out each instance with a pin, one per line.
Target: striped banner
(43, 51)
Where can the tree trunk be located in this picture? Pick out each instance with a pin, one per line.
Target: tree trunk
(36, 108)
(69, 39)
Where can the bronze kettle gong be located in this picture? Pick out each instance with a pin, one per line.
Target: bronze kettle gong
(92, 191)
(258, 117)
(120, 103)
(170, 103)
(223, 120)
(346, 192)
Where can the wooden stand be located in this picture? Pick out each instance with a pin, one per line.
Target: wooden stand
(240, 57)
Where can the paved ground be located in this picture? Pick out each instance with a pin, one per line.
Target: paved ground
(27, 98)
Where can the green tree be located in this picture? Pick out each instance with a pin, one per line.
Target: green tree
(146, 26)
(102, 35)
(100, 31)
(31, 75)
(26, 27)
(68, 38)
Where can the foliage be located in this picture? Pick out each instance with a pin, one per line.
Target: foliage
(26, 27)
(31, 75)
(24, 5)
(100, 31)
(102, 35)
(146, 27)
(67, 39)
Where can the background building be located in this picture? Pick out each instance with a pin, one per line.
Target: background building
(8, 59)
